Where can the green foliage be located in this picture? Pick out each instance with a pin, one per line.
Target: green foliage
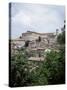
(56, 67)
(38, 76)
(23, 75)
(61, 38)
(19, 70)
(50, 71)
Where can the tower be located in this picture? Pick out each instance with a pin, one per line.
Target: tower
(57, 31)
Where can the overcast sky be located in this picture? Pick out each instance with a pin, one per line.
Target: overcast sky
(35, 17)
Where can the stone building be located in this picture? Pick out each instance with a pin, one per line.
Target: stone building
(47, 39)
(38, 42)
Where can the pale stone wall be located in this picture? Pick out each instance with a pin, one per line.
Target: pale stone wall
(47, 40)
(18, 43)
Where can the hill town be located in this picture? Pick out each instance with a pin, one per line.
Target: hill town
(36, 43)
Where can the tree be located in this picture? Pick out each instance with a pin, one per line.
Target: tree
(39, 75)
(61, 36)
(55, 66)
(50, 71)
(19, 70)
(55, 62)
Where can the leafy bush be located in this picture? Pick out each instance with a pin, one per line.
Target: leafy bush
(56, 67)
(50, 71)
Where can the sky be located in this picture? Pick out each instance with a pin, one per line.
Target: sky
(36, 17)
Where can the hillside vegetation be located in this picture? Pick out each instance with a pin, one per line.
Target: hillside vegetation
(29, 73)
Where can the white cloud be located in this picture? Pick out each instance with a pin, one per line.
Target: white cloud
(22, 18)
(37, 18)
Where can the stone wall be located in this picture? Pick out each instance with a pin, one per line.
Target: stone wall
(48, 40)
